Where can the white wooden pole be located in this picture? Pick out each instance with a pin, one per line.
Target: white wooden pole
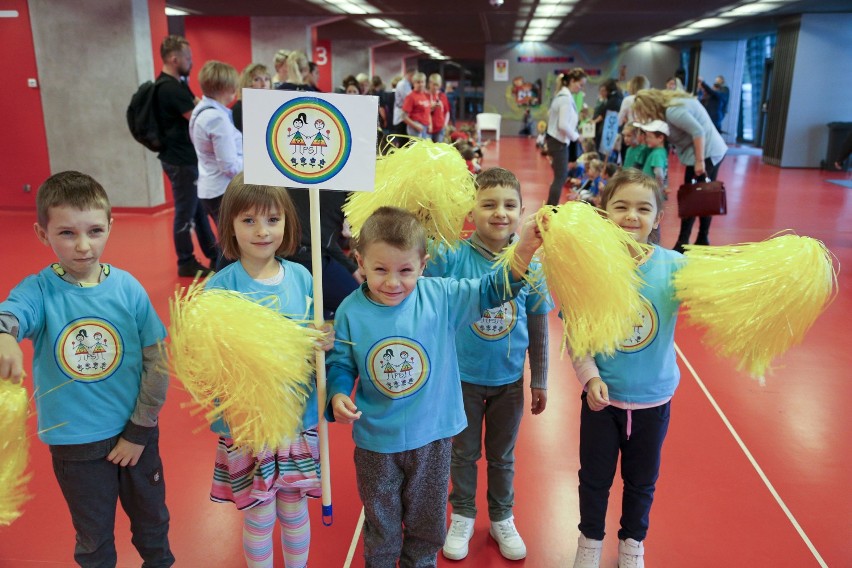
(322, 428)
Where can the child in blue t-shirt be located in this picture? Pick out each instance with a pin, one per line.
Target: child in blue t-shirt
(657, 160)
(491, 361)
(627, 396)
(96, 336)
(397, 336)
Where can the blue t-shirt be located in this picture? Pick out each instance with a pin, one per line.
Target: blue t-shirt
(492, 350)
(88, 351)
(409, 390)
(644, 367)
(291, 296)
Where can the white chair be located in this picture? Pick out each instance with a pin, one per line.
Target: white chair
(487, 121)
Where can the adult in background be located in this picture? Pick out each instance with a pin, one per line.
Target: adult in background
(625, 113)
(440, 108)
(562, 129)
(280, 64)
(254, 76)
(403, 87)
(298, 73)
(218, 143)
(175, 102)
(611, 99)
(696, 140)
(714, 99)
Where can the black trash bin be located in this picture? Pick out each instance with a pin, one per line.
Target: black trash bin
(839, 146)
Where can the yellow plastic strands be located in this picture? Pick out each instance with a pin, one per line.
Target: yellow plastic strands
(242, 361)
(592, 275)
(14, 451)
(756, 299)
(430, 180)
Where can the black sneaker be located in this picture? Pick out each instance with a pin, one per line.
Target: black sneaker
(192, 269)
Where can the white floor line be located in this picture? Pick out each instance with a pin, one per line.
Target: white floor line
(354, 542)
(750, 457)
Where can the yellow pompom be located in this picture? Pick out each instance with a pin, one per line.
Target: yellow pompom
(592, 275)
(430, 180)
(242, 361)
(756, 299)
(14, 449)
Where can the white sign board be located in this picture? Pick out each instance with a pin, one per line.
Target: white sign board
(305, 139)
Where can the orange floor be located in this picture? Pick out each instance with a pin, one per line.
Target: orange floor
(774, 493)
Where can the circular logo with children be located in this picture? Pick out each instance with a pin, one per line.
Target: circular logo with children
(496, 323)
(399, 366)
(644, 330)
(308, 140)
(89, 350)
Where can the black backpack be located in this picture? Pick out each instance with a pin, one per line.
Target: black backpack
(142, 116)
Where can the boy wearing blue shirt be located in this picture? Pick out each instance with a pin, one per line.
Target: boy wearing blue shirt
(491, 361)
(95, 335)
(396, 333)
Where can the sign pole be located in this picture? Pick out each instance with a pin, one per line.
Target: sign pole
(319, 321)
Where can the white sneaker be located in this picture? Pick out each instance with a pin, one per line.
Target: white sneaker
(631, 554)
(458, 535)
(588, 553)
(511, 544)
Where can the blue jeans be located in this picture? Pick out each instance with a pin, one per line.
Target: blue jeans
(92, 486)
(603, 435)
(438, 137)
(418, 134)
(558, 152)
(501, 408)
(188, 214)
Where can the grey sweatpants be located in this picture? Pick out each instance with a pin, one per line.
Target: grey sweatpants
(405, 504)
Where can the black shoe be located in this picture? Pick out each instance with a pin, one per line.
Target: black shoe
(192, 269)
(678, 247)
(702, 241)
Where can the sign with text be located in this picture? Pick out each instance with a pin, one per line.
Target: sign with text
(609, 132)
(305, 139)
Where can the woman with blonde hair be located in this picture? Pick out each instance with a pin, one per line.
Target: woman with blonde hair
(254, 76)
(697, 142)
(280, 64)
(298, 73)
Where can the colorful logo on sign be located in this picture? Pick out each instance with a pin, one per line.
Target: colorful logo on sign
(496, 323)
(644, 331)
(398, 366)
(89, 350)
(308, 140)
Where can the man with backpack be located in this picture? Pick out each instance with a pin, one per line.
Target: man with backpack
(174, 103)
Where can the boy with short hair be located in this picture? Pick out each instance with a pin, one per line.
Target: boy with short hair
(657, 160)
(396, 333)
(95, 335)
(491, 356)
(636, 150)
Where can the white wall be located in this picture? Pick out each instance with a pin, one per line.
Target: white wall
(725, 58)
(822, 88)
(269, 34)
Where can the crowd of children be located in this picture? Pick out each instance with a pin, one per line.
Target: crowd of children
(399, 341)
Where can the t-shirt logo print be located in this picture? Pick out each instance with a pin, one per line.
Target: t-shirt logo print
(89, 349)
(399, 366)
(496, 323)
(644, 330)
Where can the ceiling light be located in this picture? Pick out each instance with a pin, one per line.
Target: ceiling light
(707, 23)
(752, 9)
(681, 32)
(392, 31)
(175, 11)
(350, 7)
(663, 38)
(552, 11)
(544, 23)
(377, 22)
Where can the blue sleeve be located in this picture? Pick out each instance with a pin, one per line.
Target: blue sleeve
(440, 261)
(26, 303)
(470, 296)
(341, 367)
(151, 328)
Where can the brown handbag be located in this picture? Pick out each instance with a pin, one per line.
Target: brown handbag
(701, 199)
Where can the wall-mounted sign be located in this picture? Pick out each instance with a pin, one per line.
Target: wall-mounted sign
(501, 70)
(540, 59)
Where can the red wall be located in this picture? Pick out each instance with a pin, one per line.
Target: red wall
(23, 146)
(225, 39)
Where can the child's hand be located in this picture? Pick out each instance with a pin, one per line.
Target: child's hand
(597, 394)
(11, 359)
(326, 342)
(344, 409)
(125, 453)
(538, 400)
(530, 236)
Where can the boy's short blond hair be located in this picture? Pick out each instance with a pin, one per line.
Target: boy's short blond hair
(72, 189)
(498, 177)
(217, 78)
(394, 226)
